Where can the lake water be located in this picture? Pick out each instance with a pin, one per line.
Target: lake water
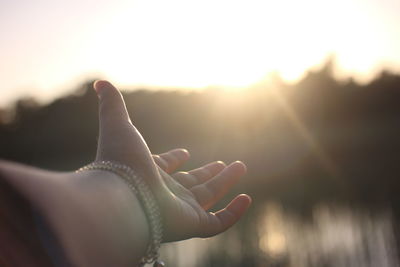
(328, 236)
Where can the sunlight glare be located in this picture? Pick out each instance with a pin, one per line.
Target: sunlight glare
(271, 229)
(192, 44)
(228, 43)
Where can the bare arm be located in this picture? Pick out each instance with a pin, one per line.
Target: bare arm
(94, 216)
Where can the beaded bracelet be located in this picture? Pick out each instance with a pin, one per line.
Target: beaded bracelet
(147, 200)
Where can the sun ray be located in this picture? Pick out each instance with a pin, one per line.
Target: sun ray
(317, 149)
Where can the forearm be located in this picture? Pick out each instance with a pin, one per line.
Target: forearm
(93, 214)
(20, 242)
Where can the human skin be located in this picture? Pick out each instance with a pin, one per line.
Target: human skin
(99, 221)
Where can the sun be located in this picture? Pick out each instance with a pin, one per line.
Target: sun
(231, 44)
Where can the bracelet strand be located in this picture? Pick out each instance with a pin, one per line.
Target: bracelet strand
(147, 200)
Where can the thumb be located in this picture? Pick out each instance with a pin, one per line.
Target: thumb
(112, 107)
(119, 140)
(113, 118)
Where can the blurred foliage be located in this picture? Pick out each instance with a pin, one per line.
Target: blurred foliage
(319, 139)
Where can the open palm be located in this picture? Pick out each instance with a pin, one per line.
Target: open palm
(184, 197)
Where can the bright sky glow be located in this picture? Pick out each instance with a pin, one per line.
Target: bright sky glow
(49, 46)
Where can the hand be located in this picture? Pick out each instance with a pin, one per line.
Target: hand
(183, 197)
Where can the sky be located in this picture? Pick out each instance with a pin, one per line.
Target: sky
(49, 47)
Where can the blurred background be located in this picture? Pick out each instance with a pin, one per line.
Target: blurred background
(304, 92)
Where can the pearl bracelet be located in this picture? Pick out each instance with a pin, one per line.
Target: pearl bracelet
(147, 200)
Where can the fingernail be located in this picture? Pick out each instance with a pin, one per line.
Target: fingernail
(221, 163)
(245, 200)
(240, 165)
(97, 87)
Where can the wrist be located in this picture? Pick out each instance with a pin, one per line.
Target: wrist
(99, 220)
(140, 189)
